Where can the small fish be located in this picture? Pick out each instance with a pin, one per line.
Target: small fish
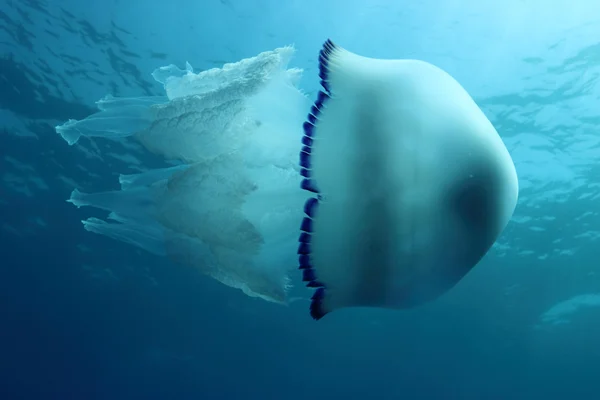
(412, 184)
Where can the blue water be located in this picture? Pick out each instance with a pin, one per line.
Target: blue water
(87, 317)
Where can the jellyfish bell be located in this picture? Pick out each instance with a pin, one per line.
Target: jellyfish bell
(411, 184)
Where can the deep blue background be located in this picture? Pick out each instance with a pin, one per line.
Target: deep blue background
(144, 329)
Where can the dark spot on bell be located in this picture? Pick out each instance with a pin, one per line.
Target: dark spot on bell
(474, 202)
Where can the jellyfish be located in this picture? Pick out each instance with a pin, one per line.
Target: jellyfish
(385, 192)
